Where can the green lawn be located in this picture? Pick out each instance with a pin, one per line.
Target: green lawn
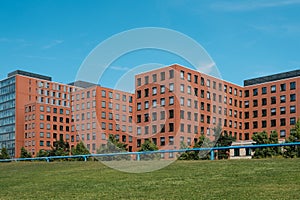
(229, 179)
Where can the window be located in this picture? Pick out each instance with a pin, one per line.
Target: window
(162, 141)
(103, 104)
(282, 87)
(292, 120)
(292, 97)
(154, 78)
(162, 89)
(171, 73)
(282, 110)
(273, 111)
(154, 91)
(202, 81)
(255, 92)
(182, 101)
(171, 100)
(103, 93)
(171, 87)
(282, 133)
(264, 124)
(255, 103)
(264, 112)
(154, 116)
(273, 100)
(181, 114)
(182, 74)
(195, 79)
(246, 104)
(189, 89)
(273, 122)
(146, 80)
(139, 82)
(139, 106)
(182, 88)
(282, 122)
(264, 90)
(208, 83)
(292, 85)
(273, 88)
(162, 76)
(162, 102)
(146, 92)
(292, 109)
(264, 101)
(246, 93)
(255, 113)
(255, 124)
(282, 99)
(146, 104)
(171, 114)
(139, 94)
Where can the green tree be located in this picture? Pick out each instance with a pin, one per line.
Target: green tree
(224, 141)
(113, 146)
(203, 142)
(262, 138)
(43, 153)
(148, 146)
(25, 153)
(293, 151)
(60, 148)
(80, 149)
(4, 154)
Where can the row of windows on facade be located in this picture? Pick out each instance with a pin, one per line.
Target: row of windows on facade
(29, 126)
(48, 118)
(118, 127)
(55, 110)
(53, 101)
(55, 86)
(202, 94)
(273, 100)
(189, 104)
(273, 112)
(162, 141)
(273, 89)
(53, 94)
(189, 76)
(104, 95)
(103, 105)
(7, 105)
(7, 89)
(273, 123)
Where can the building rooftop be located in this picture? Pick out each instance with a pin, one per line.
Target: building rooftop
(274, 77)
(33, 75)
(82, 84)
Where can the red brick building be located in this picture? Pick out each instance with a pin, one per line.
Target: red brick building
(171, 106)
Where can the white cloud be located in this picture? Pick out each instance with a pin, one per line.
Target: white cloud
(52, 44)
(118, 68)
(252, 5)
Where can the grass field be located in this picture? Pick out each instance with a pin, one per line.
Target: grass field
(228, 179)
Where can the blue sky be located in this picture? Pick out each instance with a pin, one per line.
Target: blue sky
(245, 39)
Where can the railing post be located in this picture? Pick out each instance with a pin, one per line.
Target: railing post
(85, 159)
(212, 154)
(138, 157)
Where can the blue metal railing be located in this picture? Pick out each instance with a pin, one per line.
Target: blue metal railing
(210, 149)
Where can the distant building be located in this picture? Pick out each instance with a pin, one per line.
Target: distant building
(171, 106)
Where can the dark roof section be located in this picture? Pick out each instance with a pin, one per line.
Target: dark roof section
(82, 84)
(274, 77)
(33, 75)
